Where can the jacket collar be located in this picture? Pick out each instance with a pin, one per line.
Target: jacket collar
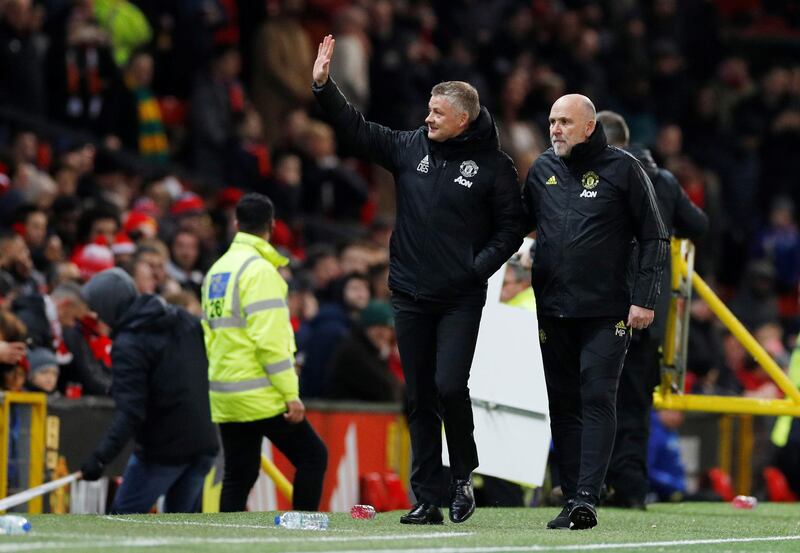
(595, 144)
(645, 158)
(480, 135)
(264, 248)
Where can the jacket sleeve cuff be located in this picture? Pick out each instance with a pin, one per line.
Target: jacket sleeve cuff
(643, 304)
(329, 96)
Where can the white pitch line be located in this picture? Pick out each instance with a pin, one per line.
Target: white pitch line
(60, 546)
(577, 547)
(311, 535)
(159, 542)
(112, 541)
(316, 537)
(269, 527)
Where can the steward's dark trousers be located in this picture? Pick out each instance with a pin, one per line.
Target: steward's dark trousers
(582, 363)
(437, 342)
(241, 442)
(627, 471)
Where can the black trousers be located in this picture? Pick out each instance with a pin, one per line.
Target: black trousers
(627, 471)
(787, 458)
(437, 342)
(582, 363)
(241, 442)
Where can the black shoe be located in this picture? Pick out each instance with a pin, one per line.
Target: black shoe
(561, 522)
(583, 515)
(423, 513)
(611, 497)
(462, 502)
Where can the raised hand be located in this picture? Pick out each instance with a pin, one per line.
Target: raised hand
(322, 64)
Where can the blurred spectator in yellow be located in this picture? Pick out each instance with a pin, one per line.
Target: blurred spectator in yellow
(517, 290)
(125, 24)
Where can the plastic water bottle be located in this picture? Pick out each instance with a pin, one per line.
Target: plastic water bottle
(744, 502)
(295, 520)
(12, 525)
(364, 512)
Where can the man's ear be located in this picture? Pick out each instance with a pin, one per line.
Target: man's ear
(464, 122)
(590, 125)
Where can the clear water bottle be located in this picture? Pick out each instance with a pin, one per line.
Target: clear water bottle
(12, 525)
(295, 520)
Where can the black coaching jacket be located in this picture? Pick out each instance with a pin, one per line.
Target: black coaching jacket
(587, 210)
(160, 386)
(681, 218)
(458, 202)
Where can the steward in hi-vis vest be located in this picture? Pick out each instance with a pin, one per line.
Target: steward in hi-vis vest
(249, 338)
(252, 381)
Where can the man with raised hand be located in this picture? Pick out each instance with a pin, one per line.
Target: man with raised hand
(458, 220)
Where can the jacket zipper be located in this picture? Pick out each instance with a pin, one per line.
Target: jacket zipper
(564, 234)
(435, 202)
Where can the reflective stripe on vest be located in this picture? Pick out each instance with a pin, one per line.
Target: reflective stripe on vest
(280, 366)
(236, 300)
(226, 322)
(240, 386)
(263, 305)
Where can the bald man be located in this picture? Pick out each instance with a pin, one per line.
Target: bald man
(587, 201)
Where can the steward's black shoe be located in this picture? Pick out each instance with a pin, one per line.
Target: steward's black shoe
(583, 515)
(462, 502)
(561, 522)
(423, 513)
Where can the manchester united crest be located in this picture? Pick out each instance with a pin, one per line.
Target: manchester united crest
(469, 168)
(590, 180)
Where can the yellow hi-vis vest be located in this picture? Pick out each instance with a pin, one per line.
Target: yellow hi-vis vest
(248, 334)
(524, 299)
(783, 426)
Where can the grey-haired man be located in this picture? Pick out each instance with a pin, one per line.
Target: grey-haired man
(458, 220)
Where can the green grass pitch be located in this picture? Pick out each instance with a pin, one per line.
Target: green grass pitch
(690, 527)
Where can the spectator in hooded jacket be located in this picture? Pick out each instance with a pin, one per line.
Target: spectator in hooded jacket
(160, 389)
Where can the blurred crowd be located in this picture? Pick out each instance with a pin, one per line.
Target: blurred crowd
(129, 129)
